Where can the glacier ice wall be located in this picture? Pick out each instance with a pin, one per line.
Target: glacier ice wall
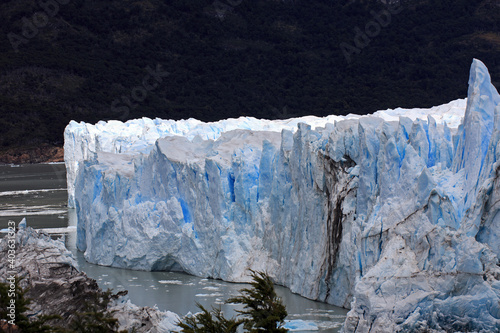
(437, 264)
(82, 140)
(394, 215)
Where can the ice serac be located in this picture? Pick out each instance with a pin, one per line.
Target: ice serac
(394, 215)
(437, 264)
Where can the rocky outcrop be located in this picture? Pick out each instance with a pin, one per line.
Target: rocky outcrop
(56, 286)
(39, 154)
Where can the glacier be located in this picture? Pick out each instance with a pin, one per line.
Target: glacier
(394, 215)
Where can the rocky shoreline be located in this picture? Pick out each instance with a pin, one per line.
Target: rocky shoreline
(43, 153)
(56, 286)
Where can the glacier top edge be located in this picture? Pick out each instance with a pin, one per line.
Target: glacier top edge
(450, 113)
(139, 135)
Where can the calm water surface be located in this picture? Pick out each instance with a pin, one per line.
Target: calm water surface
(38, 192)
(35, 191)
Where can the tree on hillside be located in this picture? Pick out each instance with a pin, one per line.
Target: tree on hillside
(96, 317)
(209, 322)
(263, 309)
(21, 308)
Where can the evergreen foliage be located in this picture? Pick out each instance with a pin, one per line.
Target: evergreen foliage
(263, 309)
(39, 325)
(95, 319)
(209, 322)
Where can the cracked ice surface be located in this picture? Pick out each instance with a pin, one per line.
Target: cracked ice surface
(393, 215)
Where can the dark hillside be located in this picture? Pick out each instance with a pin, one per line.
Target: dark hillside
(90, 60)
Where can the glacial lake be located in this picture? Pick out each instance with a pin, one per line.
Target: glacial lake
(38, 192)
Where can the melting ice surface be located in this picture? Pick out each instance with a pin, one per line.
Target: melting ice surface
(392, 215)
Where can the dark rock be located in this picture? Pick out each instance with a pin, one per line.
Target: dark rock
(38, 154)
(56, 286)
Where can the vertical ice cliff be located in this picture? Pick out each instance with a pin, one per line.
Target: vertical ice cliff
(82, 141)
(437, 262)
(394, 217)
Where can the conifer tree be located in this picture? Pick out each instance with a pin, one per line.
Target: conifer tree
(96, 317)
(37, 325)
(204, 322)
(263, 309)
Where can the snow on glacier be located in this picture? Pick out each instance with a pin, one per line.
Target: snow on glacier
(393, 215)
(82, 141)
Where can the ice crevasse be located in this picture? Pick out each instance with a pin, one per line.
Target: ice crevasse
(393, 215)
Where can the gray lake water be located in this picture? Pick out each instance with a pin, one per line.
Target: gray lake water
(38, 192)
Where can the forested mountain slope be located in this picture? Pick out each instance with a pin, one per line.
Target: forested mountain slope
(91, 60)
